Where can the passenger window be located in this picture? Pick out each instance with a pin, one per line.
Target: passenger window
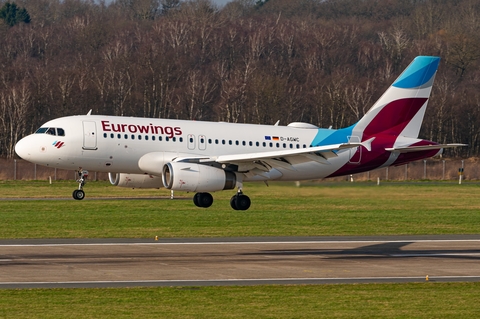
(209, 141)
(159, 138)
(133, 137)
(119, 135)
(230, 142)
(223, 142)
(174, 139)
(60, 132)
(153, 138)
(271, 144)
(125, 136)
(244, 143)
(250, 143)
(139, 137)
(105, 135)
(264, 144)
(181, 139)
(146, 137)
(216, 141)
(166, 139)
(112, 135)
(257, 143)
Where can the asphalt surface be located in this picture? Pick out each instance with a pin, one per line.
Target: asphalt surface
(75, 263)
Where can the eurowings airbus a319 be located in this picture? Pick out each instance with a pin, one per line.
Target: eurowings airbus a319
(204, 157)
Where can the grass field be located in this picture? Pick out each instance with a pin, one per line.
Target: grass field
(280, 210)
(426, 300)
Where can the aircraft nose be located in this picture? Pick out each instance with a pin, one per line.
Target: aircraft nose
(22, 148)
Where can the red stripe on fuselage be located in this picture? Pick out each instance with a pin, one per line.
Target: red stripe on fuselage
(370, 159)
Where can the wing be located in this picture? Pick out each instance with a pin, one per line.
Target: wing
(262, 162)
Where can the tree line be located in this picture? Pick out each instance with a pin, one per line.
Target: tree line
(323, 62)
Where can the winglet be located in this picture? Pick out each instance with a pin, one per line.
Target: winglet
(89, 112)
(368, 144)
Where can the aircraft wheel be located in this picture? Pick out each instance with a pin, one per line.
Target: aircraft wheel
(78, 194)
(243, 202)
(233, 202)
(203, 200)
(195, 199)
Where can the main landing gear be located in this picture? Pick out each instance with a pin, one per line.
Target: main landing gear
(79, 194)
(203, 200)
(237, 202)
(240, 201)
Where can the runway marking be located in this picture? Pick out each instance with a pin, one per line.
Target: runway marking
(234, 280)
(246, 243)
(434, 254)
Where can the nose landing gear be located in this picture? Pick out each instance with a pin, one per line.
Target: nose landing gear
(79, 194)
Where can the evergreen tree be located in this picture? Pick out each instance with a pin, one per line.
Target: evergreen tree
(12, 14)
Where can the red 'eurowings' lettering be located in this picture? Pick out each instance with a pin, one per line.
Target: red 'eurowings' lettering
(106, 126)
(132, 128)
(145, 129)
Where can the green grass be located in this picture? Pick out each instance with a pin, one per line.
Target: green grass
(426, 300)
(279, 210)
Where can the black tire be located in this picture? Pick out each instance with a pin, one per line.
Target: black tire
(196, 199)
(78, 194)
(233, 202)
(206, 200)
(243, 202)
(203, 200)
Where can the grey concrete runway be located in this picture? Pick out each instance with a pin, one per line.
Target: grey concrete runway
(237, 261)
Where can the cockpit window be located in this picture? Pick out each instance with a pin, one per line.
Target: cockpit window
(51, 131)
(41, 130)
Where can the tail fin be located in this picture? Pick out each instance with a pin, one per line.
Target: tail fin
(401, 108)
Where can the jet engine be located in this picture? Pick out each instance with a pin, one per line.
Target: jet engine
(192, 177)
(135, 180)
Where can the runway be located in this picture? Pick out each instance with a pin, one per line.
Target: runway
(237, 261)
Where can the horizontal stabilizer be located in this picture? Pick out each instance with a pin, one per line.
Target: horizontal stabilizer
(419, 148)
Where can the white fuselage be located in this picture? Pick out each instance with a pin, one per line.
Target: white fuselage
(116, 144)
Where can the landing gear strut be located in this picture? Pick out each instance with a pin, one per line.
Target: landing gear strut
(240, 201)
(79, 194)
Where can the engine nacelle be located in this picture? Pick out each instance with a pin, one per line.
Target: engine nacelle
(135, 180)
(191, 177)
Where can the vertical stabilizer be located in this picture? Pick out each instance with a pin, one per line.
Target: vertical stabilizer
(401, 108)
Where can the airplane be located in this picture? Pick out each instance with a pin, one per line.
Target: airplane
(205, 157)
